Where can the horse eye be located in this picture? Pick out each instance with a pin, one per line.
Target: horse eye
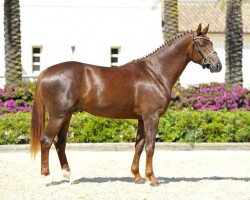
(203, 45)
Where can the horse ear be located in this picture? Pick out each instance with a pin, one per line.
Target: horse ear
(205, 30)
(198, 31)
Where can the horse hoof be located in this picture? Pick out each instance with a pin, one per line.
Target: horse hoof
(50, 184)
(66, 174)
(49, 181)
(140, 181)
(74, 182)
(155, 184)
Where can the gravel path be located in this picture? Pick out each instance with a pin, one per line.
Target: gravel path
(184, 175)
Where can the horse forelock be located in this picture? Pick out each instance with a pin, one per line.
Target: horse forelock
(166, 44)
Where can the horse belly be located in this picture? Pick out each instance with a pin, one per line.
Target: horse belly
(113, 114)
(110, 106)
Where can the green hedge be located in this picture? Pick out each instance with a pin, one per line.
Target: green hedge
(87, 128)
(15, 128)
(205, 126)
(175, 126)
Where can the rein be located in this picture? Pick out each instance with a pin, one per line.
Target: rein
(206, 58)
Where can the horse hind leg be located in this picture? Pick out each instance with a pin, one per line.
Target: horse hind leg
(139, 145)
(54, 125)
(60, 145)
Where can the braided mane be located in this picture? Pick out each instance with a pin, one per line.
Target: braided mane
(170, 41)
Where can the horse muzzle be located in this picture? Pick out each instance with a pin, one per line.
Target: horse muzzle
(213, 66)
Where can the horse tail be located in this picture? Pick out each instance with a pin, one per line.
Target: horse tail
(37, 120)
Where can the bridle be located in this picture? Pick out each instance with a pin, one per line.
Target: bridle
(205, 62)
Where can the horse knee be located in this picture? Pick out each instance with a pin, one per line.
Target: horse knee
(150, 149)
(46, 142)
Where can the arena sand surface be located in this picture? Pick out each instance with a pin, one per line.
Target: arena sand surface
(184, 175)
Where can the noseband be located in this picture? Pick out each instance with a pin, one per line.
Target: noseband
(205, 61)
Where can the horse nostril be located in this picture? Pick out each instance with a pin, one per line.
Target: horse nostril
(219, 66)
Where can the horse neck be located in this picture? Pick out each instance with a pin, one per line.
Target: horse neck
(170, 61)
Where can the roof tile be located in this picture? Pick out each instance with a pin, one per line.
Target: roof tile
(193, 13)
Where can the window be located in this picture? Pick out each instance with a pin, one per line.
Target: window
(114, 52)
(36, 58)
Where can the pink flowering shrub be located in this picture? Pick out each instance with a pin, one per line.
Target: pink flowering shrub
(16, 97)
(213, 96)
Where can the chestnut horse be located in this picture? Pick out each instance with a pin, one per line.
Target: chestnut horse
(140, 89)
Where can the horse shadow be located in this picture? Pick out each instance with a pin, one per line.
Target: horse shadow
(97, 180)
(197, 179)
(163, 180)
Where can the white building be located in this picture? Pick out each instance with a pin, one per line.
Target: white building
(101, 32)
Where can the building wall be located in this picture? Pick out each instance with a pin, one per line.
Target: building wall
(93, 27)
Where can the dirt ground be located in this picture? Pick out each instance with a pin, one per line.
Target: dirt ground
(184, 175)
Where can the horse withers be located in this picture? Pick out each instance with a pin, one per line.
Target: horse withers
(140, 89)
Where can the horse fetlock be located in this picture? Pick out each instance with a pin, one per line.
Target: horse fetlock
(149, 175)
(135, 169)
(45, 170)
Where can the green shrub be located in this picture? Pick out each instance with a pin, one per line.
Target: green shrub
(87, 128)
(14, 128)
(174, 126)
(205, 126)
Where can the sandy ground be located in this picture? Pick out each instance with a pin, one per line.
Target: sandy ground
(184, 175)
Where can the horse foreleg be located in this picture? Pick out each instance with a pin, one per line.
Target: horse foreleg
(140, 141)
(47, 139)
(150, 124)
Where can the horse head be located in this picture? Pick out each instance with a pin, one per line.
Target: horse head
(201, 50)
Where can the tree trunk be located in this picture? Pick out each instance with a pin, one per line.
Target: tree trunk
(169, 19)
(234, 43)
(12, 36)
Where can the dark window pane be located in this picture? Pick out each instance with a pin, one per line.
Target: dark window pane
(36, 50)
(114, 51)
(36, 59)
(36, 67)
(114, 59)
